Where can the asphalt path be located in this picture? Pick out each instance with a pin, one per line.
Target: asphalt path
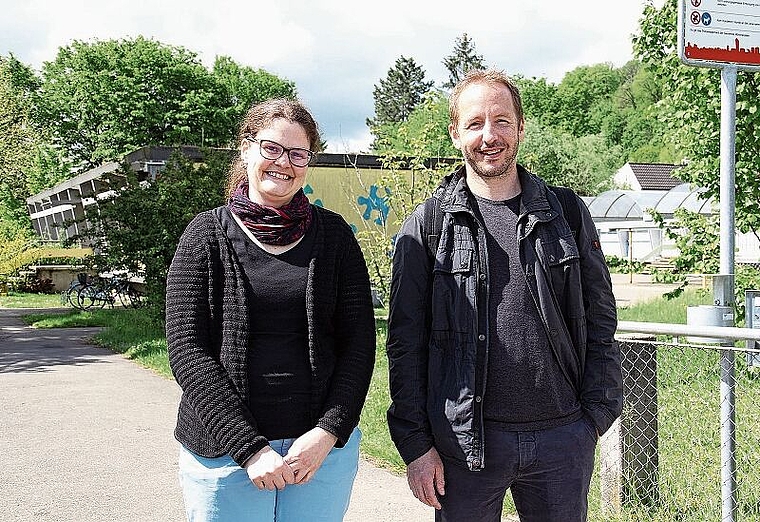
(86, 435)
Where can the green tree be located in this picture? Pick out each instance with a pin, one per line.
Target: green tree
(631, 119)
(138, 225)
(399, 93)
(28, 163)
(585, 164)
(583, 98)
(103, 99)
(17, 143)
(539, 98)
(49, 167)
(639, 87)
(425, 132)
(463, 58)
(245, 86)
(626, 116)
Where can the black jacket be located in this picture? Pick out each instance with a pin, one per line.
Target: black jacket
(208, 336)
(438, 324)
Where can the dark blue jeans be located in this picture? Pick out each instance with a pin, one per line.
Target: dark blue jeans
(547, 471)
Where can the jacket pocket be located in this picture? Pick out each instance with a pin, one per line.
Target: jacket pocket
(562, 260)
(458, 261)
(560, 251)
(453, 297)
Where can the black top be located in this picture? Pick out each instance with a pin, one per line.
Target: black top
(525, 387)
(279, 378)
(208, 335)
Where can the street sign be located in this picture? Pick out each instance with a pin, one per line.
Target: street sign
(714, 33)
(724, 34)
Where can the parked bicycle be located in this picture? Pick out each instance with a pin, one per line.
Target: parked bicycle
(86, 293)
(69, 296)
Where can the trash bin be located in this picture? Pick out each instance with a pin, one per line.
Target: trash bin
(709, 315)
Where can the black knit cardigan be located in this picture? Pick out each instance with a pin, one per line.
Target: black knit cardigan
(207, 332)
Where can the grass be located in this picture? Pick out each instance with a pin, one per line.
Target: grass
(133, 333)
(664, 310)
(688, 402)
(25, 300)
(70, 319)
(376, 443)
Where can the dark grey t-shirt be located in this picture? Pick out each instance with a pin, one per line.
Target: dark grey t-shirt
(525, 387)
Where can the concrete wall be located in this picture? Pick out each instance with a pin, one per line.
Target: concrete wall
(60, 275)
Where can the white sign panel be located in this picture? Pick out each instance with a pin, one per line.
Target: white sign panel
(712, 33)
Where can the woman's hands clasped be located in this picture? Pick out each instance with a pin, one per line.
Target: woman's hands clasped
(308, 452)
(267, 469)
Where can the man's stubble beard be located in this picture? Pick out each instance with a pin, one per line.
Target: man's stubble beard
(506, 167)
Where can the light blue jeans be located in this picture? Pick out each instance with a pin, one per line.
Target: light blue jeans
(218, 490)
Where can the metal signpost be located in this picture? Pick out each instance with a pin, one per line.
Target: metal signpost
(723, 34)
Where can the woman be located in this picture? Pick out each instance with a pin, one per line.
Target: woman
(270, 330)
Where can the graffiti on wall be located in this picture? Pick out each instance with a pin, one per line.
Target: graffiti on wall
(308, 189)
(353, 194)
(372, 204)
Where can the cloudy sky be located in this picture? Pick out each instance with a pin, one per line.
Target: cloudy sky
(337, 50)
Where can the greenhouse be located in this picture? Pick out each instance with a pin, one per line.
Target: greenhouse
(627, 229)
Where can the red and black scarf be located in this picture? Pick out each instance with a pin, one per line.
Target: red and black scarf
(270, 225)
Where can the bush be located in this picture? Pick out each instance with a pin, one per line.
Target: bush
(624, 266)
(34, 285)
(137, 228)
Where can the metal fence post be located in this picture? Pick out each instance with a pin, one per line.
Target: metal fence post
(629, 458)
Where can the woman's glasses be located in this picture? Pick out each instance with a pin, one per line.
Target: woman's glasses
(272, 150)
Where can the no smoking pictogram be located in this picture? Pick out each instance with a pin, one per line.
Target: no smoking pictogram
(696, 3)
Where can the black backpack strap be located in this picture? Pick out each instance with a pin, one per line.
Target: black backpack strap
(569, 202)
(432, 223)
(432, 218)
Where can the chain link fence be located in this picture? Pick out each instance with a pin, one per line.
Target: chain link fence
(665, 458)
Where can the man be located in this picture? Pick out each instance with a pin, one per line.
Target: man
(503, 365)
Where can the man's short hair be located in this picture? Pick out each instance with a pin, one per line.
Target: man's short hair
(488, 76)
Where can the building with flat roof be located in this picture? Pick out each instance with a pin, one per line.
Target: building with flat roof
(58, 213)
